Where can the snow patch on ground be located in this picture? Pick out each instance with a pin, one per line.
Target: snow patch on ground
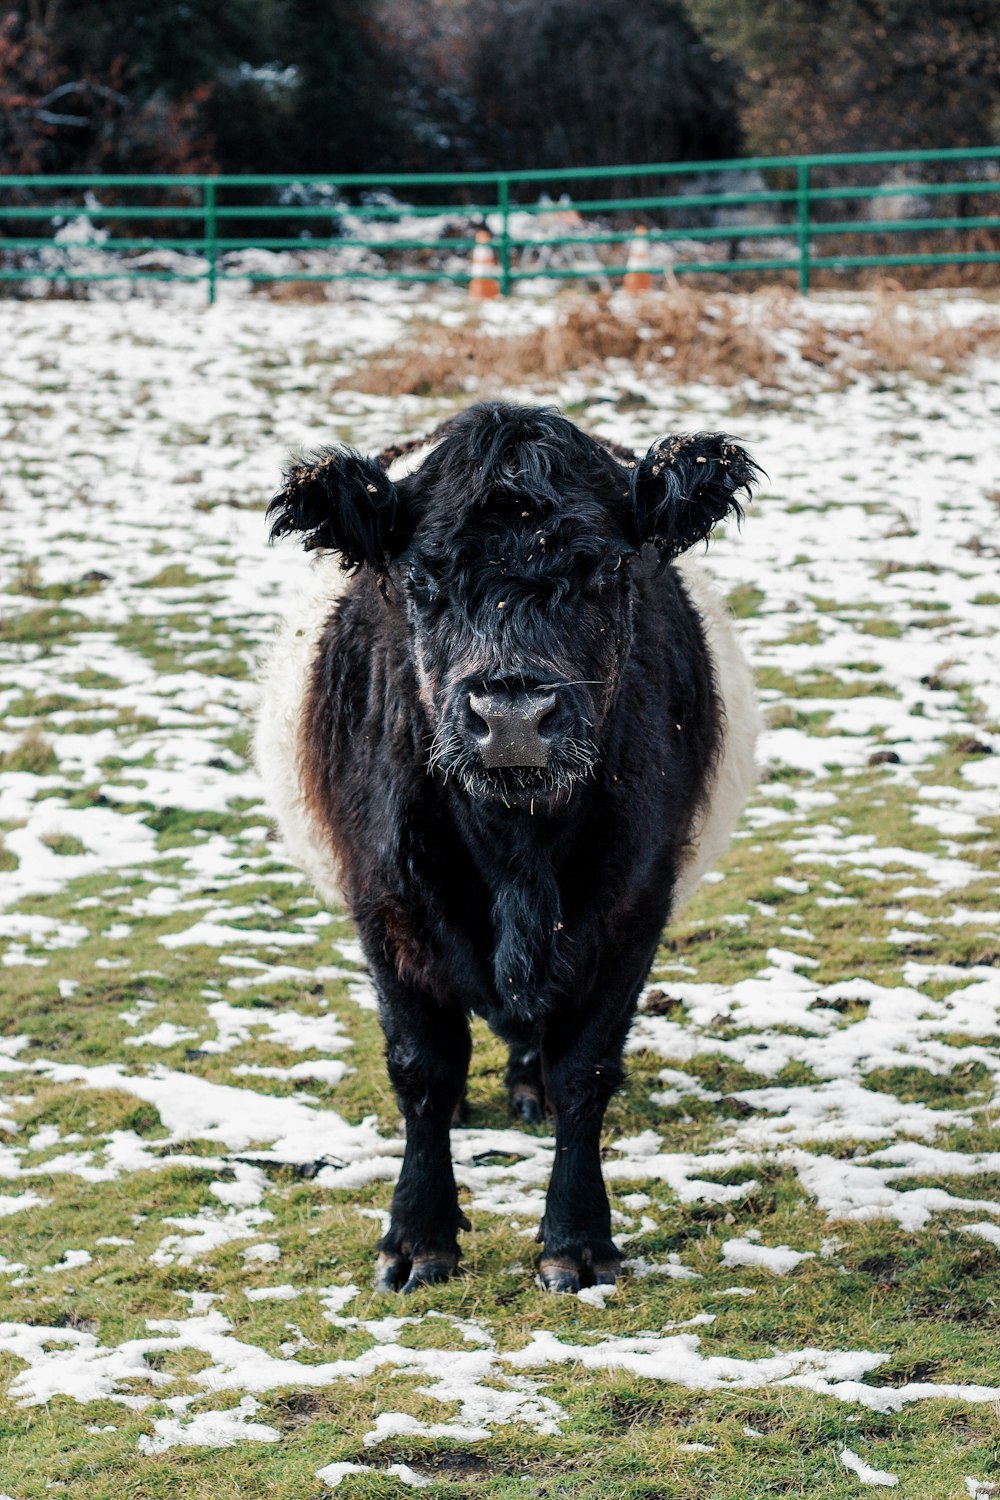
(210, 1429)
(678, 1359)
(778, 1259)
(867, 1475)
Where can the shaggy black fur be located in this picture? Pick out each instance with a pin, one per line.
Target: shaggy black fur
(514, 561)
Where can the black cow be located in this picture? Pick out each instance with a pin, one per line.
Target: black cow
(516, 738)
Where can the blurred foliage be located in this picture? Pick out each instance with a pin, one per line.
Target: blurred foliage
(861, 75)
(382, 85)
(539, 83)
(74, 96)
(357, 85)
(173, 85)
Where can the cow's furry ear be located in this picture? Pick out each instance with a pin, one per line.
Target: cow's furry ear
(685, 485)
(343, 501)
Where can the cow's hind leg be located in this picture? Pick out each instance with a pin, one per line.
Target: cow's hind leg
(525, 1085)
(427, 1051)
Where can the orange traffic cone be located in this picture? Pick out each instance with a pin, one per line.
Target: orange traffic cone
(638, 276)
(484, 284)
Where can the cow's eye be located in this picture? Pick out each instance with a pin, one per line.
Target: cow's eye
(611, 566)
(420, 580)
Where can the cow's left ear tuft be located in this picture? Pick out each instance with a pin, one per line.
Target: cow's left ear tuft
(345, 502)
(686, 485)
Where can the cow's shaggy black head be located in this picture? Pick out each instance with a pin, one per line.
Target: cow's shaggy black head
(510, 549)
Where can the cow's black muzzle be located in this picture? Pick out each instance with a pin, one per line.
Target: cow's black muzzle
(514, 729)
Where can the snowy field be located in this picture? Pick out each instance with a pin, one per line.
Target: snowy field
(197, 1139)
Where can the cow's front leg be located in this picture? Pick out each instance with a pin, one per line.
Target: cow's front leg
(576, 1228)
(581, 1062)
(427, 1050)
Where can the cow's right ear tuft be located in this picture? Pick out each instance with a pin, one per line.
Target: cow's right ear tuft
(345, 502)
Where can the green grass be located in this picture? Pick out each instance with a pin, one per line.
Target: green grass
(42, 627)
(34, 753)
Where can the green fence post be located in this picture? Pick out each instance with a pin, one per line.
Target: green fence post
(211, 236)
(503, 191)
(803, 188)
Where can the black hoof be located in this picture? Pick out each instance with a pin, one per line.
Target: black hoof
(527, 1106)
(397, 1270)
(430, 1270)
(565, 1273)
(391, 1271)
(558, 1275)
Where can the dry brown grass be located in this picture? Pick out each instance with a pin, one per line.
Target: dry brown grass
(902, 336)
(682, 335)
(291, 291)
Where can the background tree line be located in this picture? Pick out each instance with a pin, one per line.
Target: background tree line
(398, 85)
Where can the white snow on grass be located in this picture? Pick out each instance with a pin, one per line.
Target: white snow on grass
(990, 1232)
(478, 1381)
(42, 932)
(71, 1260)
(285, 1028)
(319, 1071)
(597, 1296)
(245, 1190)
(678, 1360)
(777, 1259)
(334, 1474)
(13, 1203)
(111, 841)
(782, 1016)
(193, 1108)
(210, 1429)
(867, 1475)
(218, 935)
(235, 1025)
(206, 1232)
(73, 1363)
(264, 1254)
(167, 1034)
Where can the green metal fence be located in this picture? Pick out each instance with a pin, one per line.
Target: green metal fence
(800, 209)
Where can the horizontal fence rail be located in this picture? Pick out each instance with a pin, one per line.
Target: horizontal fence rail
(799, 213)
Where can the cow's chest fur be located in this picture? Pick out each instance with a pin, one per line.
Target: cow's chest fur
(503, 911)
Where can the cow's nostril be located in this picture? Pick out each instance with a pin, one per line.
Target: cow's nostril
(474, 716)
(548, 721)
(477, 724)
